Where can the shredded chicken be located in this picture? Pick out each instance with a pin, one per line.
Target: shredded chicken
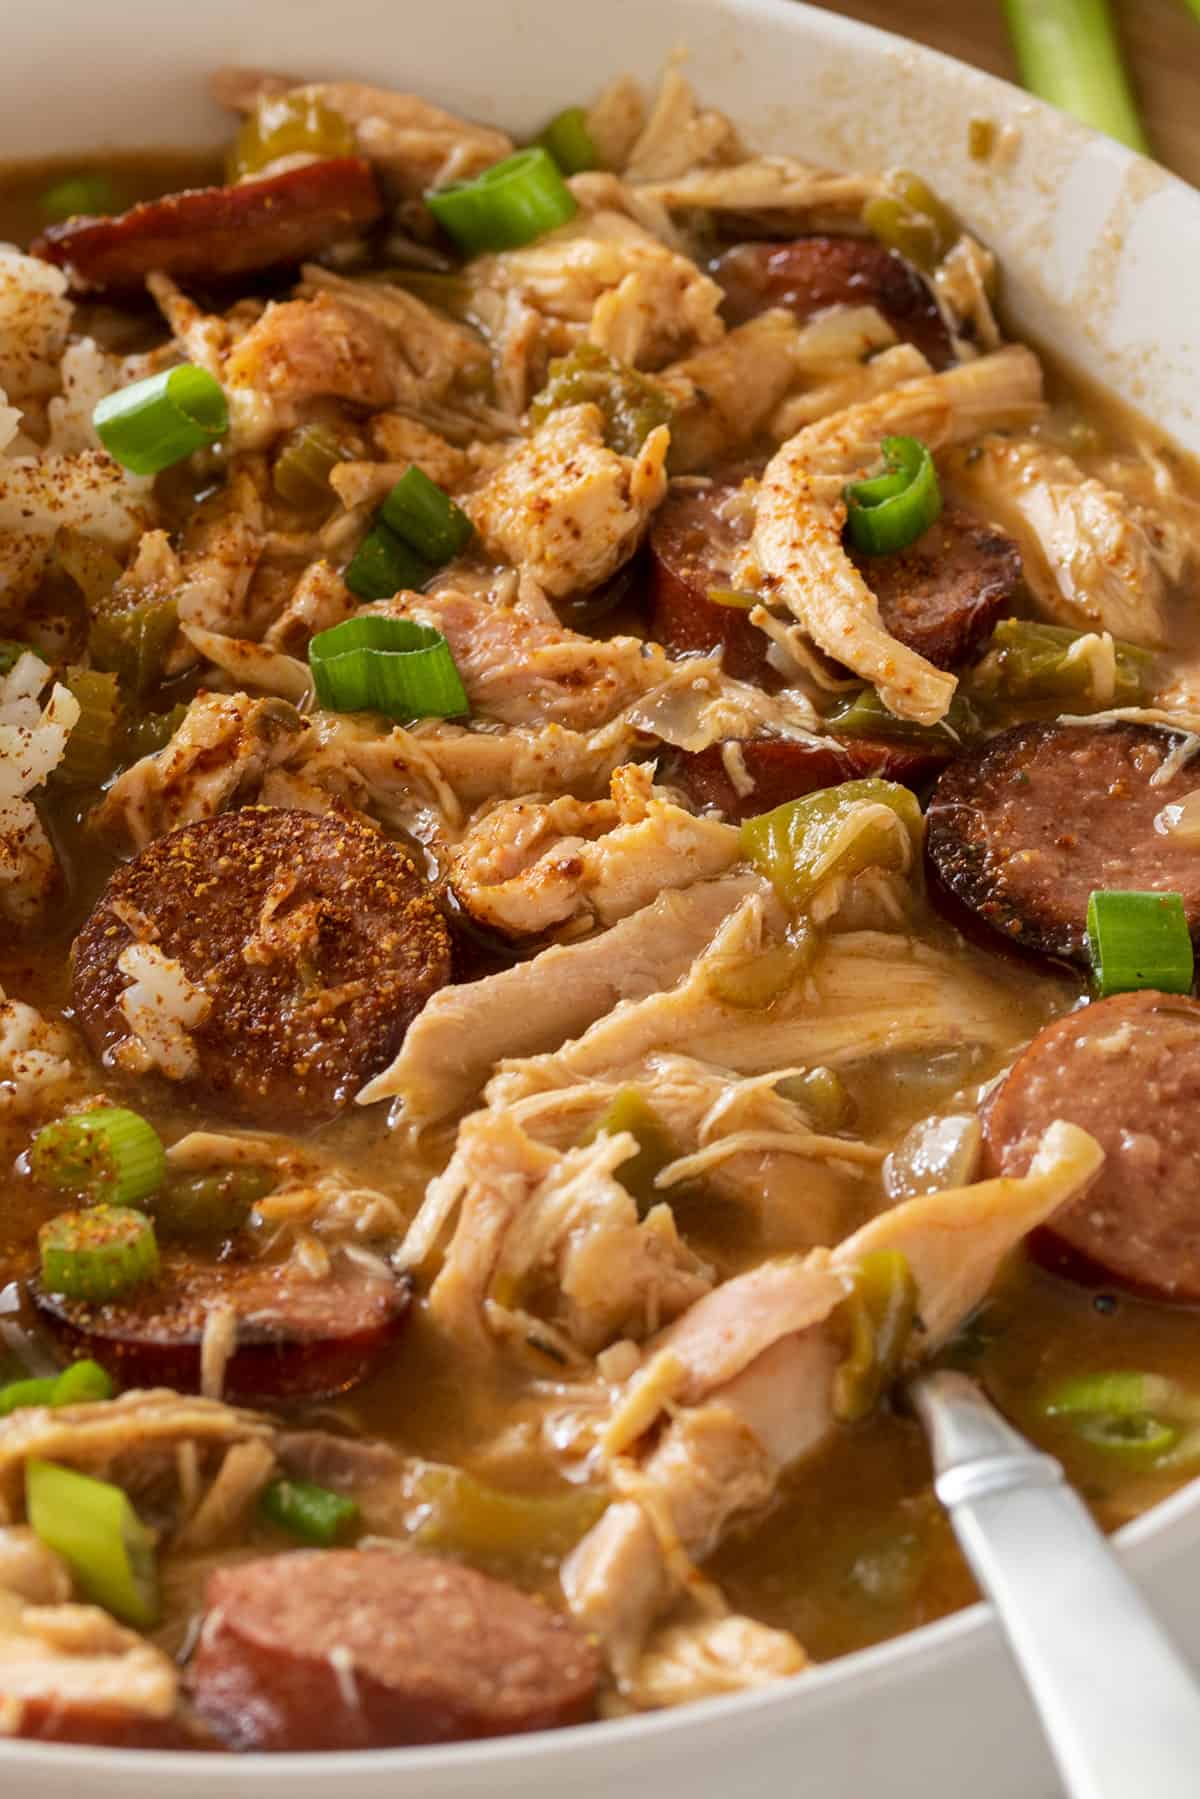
(526, 866)
(1089, 560)
(33, 741)
(564, 508)
(54, 1656)
(161, 1007)
(797, 544)
(755, 1385)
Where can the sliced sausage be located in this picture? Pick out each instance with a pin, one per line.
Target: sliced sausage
(942, 595)
(694, 543)
(1128, 1070)
(782, 769)
(216, 233)
(296, 1337)
(811, 273)
(1023, 829)
(366, 1649)
(314, 939)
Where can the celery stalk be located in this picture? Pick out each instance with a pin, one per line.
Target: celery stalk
(1067, 52)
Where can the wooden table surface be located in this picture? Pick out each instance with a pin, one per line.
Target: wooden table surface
(1161, 39)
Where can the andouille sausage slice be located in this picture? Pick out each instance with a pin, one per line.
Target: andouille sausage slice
(1022, 829)
(314, 939)
(1128, 1070)
(810, 273)
(216, 233)
(784, 769)
(367, 1649)
(944, 592)
(294, 1337)
(940, 596)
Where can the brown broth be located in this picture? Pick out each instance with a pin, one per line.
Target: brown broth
(855, 1548)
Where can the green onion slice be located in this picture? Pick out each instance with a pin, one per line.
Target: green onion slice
(78, 194)
(425, 518)
(384, 565)
(110, 1154)
(99, 1254)
(80, 1384)
(570, 142)
(1144, 1420)
(890, 510)
(95, 1529)
(508, 205)
(389, 665)
(1068, 53)
(306, 1510)
(155, 423)
(1138, 940)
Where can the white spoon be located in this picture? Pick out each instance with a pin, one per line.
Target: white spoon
(1119, 1705)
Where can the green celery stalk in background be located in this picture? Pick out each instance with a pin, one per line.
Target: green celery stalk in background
(1067, 52)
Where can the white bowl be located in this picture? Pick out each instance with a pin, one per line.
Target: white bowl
(1099, 250)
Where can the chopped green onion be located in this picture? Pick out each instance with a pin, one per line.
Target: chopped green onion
(1139, 940)
(11, 652)
(865, 715)
(389, 665)
(77, 195)
(303, 467)
(95, 1529)
(1145, 1420)
(570, 142)
(881, 1310)
(307, 1510)
(21, 1393)
(92, 747)
(292, 124)
(1067, 53)
(108, 1154)
(210, 1205)
(804, 843)
(80, 1384)
(628, 1111)
(159, 421)
(83, 1383)
(384, 566)
(99, 1254)
(891, 510)
(425, 518)
(508, 205)
(132, 644)
(633, 404)
(1024, 660)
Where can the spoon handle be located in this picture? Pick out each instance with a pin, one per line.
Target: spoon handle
(1119, 1706)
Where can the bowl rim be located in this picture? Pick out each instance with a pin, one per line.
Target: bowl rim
(1141, 1542)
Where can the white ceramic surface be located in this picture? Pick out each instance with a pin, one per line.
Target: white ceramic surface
(1098, 248)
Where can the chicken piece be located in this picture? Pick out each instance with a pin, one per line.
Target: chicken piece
(319, 600)
(33, 740)
(864, 995)
(680, 135)
(30, 1569)
(725, 394)
(766, 184)
(853, 385)
(222, 750)
(132, 1439)
(416, 145)
(697, 705)
(797, 545)
(57, 1660)
(36, 1066)
(253, 665)
(526, 670)
(398, 438)
(1089, 560)
(615, 120)
(219, 557)
(965, 281)
(564, 508)
(529, 865)
(455, 1042)
(35, 318)
(528, 1216)
(704, 1657)
(605, 277)
(758, 1383)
